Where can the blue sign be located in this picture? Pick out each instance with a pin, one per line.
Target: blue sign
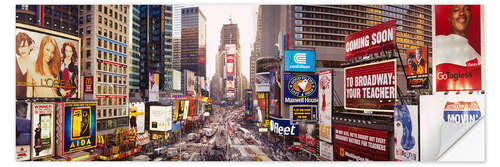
(79, 126)
(283, 127)
(300, 60)
(301, 89)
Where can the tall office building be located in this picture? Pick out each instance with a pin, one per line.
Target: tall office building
(60, 18)
(193, 41)
(176, 35)
(168, 50)
(135, 92)
(105, 42)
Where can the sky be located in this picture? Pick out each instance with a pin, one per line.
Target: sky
(217, 15)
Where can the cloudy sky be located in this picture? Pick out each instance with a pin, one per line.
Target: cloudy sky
(217, 15)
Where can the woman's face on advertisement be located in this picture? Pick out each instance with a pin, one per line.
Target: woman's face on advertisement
(25, 49)
(68, 51)
(48, 52)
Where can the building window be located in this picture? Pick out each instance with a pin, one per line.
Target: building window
(100, 19)
(100, 8)
(89, 18)
(88, 30)
(99, 31)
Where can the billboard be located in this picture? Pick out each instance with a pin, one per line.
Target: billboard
(283, 127)
(406, 133)
(229, 85)
(371, 86)
(416, 68)
(308, 133)
(47, 63)
(263, 103)
(88, 84)
(136, 114)
(160, 118)
(230, 49)
(371, 40)
(325, 105)
(275, 93)
(326, 150)
(446, 119)
(79, 120)
(186, 109)
(457, 56)
(304, 112)
(154, 87)
(176, 78)
(190, 82)
(229, 68)
(42, 130)
(360, 144)
(262, 82)
(301, 89)
(176, 111)
(300, 60)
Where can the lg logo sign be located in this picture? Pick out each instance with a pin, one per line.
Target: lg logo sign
(300, 58)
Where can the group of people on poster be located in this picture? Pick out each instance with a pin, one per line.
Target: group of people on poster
(44, 67)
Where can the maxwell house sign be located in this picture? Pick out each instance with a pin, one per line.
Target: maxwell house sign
(301, 89)
(79, 126)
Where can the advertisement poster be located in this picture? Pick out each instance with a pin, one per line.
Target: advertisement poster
(372, 40)
(230, 85)
(176, 111)
(304, 112)
(360, 144)
(154, 87)
(47, 63)
(457, 56)
(371, 86)
(186, 109)
(230, 49)
(263, 100)
(262, 82)
(160, 118)
(79, 126)
(325, 151)
(176, 79)
(283, 127)
(406, 133)
(300, 60)
(274, 93)
(190, 82)
(446, 120)
(136, 113)
(23, 152)
(416, 68)
(301, 89)
(42, 130)
(308, 133)
(192, 108)
(88, 84)
(325, 105)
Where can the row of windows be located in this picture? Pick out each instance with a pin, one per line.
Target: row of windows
(111, 57)
(116, 14)
(103, 113)
(110, 23)
(105, 89)
(111, 68)
(112, 46)
(111, 78)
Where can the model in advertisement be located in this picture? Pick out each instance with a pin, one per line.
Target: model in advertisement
(24, 47)
(38, 140)
(47, 67)
(416, 62)
(69, 70)
(455, 48)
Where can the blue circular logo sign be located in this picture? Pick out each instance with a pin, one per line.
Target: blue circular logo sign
(302, 86)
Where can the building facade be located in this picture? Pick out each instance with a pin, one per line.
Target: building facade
(60, 18)
(193, 41)
(105, 46)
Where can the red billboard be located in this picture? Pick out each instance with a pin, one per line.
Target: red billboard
(457, 53)
(371, 86)
(416, 68)
(371, 40)
(89, 84)
(360, 144)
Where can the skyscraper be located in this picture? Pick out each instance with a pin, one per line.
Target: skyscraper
(193, 41)
(105, 42)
